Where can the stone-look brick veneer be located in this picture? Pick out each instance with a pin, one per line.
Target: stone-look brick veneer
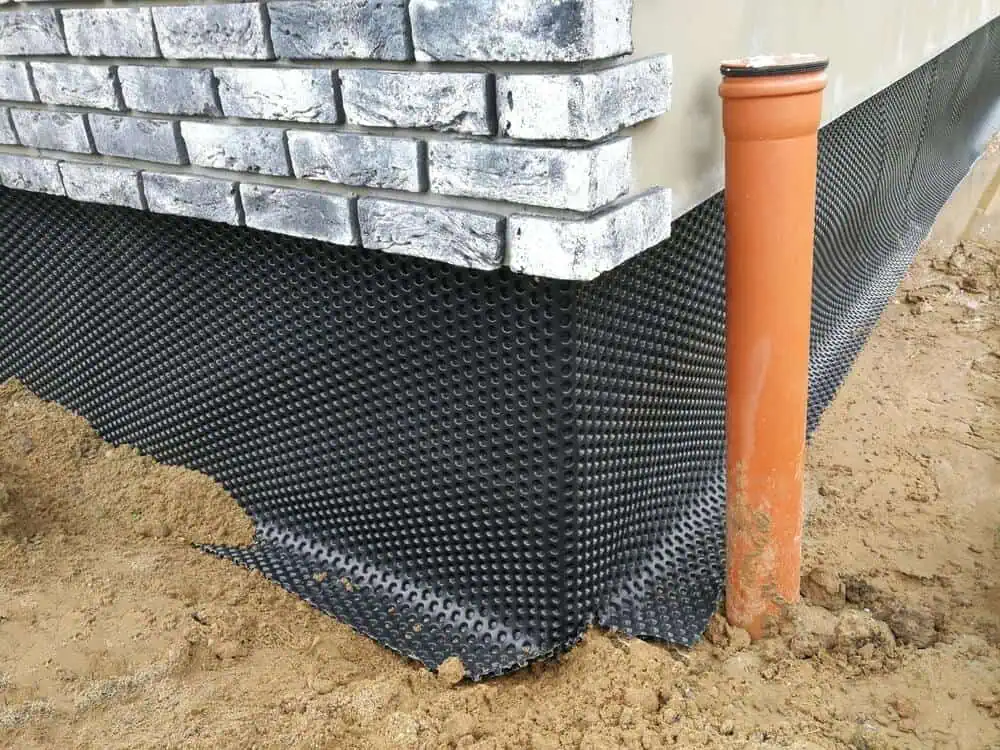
(476, 132)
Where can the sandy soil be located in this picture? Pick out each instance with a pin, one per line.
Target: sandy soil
(116, 633)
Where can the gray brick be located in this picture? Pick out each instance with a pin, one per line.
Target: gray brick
(187, 195)
(31, 32)
(340, 29)
(58, 131)
(580, 179)
(526, 30)
(137, 138)
(229, 32)
(117, 32)
(97, 183)
(452, 102)
(300, 213)
(28, 173)
(76, 85)
(168, 91)
(351, 159)
(583, 106)
(7, 135)
(14, 82)
(583, 249)
(243, 149)
(462, 238)
(298, 94)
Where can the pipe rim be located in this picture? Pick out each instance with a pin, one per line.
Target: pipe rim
(773, 65)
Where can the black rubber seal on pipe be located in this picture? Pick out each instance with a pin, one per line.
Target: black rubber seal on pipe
(794, 64)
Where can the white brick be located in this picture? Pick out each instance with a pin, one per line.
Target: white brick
(462, 238)
(352, 159)
(97, 183)
(196, 197)
(31, 32)
(230, 32)
(340, 29)
(114, 32)
(521, 30)
(168, 91)
(7, 135)
(243, 149)
(451, 102)
(75, 85)
(582, 249)
(14, 82)
(298, 94)
(583, 106)
(29, 173)
(137, 138)
(300, 213)
(579, 179)
(59, 131)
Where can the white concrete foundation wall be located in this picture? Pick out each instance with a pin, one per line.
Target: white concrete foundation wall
(870, 43)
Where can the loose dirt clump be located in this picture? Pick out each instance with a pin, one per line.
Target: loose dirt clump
(915, 627)
(451, 671)
(823, 587)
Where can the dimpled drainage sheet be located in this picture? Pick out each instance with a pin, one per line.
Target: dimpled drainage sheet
(457, 462)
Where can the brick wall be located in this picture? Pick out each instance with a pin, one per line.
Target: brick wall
(476, 132)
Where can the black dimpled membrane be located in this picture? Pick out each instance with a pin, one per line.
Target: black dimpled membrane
(458, 462)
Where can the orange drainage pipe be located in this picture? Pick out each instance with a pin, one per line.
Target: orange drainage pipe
(771, 109)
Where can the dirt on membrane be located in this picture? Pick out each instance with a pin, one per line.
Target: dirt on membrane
(116, 633)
